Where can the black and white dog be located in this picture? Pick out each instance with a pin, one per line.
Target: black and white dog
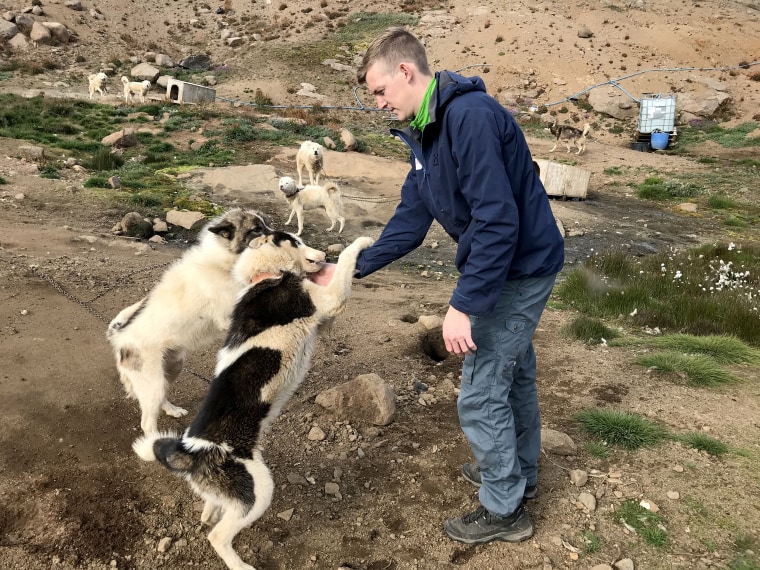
(569, 136)
(263, 361)
(188, 308)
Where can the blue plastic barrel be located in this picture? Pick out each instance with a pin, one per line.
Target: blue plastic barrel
(659, 141)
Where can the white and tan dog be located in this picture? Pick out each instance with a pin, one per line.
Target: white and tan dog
(97, 83)
(264, 360)
(189, 307)
(311, 197)
(310, 156)
(133, 89)
(570, 136)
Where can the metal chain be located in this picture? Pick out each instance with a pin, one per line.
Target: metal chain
(58, 287)
(124, 279)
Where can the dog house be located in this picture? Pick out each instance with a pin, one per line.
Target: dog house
(184, 92)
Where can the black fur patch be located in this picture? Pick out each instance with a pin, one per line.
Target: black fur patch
(233, 409)
(267, 304)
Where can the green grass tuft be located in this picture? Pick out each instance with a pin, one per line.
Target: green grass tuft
(589, 330)
(592, 543)
(702, 442)
(698, 369)
(619, 428)
(598, 450)
(646, 523)
(721, 348)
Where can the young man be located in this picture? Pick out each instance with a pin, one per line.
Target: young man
(471, 170)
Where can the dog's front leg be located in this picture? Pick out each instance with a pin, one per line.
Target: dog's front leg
(211, 513)
(331, 298)
(554, 147)
(299, 216)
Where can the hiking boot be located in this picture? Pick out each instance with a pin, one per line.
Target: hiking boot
(480, 527)
(471, 474)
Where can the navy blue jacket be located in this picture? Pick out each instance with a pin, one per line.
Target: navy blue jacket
(473, 173)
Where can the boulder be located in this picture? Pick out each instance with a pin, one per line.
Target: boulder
(164, 60)
(40, 34)
(197, 62)
(123, 138)
(7, 30)
(365, 398)
(185, 219)
(60, 32)
(613, 103)
(145, 71)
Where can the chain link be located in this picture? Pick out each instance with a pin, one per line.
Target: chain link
(58, 287)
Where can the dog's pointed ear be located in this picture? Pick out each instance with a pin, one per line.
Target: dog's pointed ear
(223, 229)
(260, 241)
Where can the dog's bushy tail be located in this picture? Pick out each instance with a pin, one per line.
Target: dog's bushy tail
(164, 447)
(586, 129)
(332, 188)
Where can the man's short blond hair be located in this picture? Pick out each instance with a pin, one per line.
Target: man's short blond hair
(393, 46)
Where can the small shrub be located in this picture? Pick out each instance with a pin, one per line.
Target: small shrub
(643, 521)
(592, 543)
(50, 170)
(698, 369)
(720, 202)
(615, 427)
(96, 182)
(703, 442)
(598, 450)
(261, 100)
(589, 330)
(104, 159)
(3, 180)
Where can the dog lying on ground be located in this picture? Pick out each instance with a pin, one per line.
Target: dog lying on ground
(263, 362)
(569, 136)
(135, 89)
(311, 197)
(97, 83)
(311, 157)
(189, 307)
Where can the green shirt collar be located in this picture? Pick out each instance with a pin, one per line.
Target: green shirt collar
(423, 114)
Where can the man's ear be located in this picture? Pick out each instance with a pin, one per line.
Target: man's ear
(407, 70)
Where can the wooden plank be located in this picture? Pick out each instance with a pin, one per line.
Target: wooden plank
(563, 180)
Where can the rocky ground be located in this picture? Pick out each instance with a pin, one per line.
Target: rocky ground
(74, 496)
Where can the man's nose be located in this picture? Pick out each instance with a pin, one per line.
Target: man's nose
(381, 103)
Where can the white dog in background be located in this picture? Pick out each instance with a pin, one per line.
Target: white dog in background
(311, 157)
(97, 83)
(310, 197)
(266, 357)
(189, 307)
(135, 88)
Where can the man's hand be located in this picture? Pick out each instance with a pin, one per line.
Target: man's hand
(457, 334)
(324, 275)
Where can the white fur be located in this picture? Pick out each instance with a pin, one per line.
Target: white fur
(206, 464)
(189, 307)
(97, 83)
(135, 88)
(311, 156)
(310, 197)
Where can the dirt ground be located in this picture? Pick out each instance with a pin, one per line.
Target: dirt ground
(73, 495)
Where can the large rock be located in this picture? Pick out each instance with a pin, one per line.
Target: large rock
(557, 442)
(25, 22)
(164, 60)
(365, 398)
(40, 34)
(197, 62)
(60, 32)
(123, 138)
(185, 219)
(145, 71)
(7, 30)
(613, 102)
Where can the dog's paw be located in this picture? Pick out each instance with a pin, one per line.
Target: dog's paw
(172, 410)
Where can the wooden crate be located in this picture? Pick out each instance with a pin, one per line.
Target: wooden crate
(563, 180)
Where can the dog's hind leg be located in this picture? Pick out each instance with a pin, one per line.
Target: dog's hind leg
(233, 520)
(290, 217)
(149, 387)
(211, 513)
(554, 147)
(174, 360)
